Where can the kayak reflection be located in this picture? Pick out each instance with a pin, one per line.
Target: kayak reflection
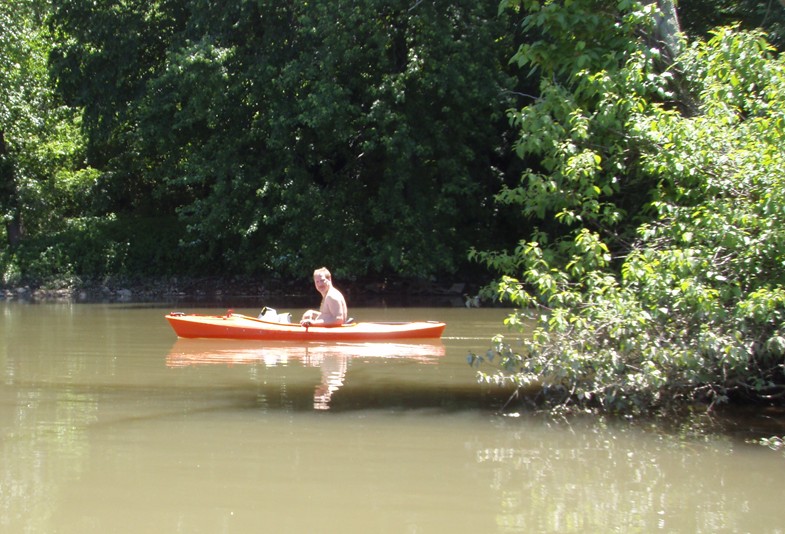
(332, 358)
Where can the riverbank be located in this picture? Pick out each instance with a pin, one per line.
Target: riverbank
(450, 294)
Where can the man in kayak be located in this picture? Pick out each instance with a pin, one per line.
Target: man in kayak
(333, 311)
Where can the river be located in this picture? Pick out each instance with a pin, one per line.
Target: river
(109, 423)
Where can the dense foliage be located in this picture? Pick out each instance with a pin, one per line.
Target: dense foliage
(364, 135)
(42, 173)
(700, 16)
(258, 137)
(658, 274)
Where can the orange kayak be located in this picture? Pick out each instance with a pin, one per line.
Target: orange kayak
(238, 326)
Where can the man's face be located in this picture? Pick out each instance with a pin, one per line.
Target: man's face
(321, 282)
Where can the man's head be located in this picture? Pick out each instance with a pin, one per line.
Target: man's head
(322, 271)
(322, 279)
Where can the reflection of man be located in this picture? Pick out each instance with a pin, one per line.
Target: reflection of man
(333, 311)
(333, 372)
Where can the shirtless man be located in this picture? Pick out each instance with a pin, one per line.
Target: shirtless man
(333, 311)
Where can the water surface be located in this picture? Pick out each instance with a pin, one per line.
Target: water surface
(108, 423)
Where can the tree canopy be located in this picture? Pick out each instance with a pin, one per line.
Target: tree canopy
(255, 137)
(364, 135)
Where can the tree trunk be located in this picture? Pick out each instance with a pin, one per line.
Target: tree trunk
(667, 38)
(8, 200)
(15, 231)
(667, 29)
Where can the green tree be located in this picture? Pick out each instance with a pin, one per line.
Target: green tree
(364, 135)
(701, 16)
(41, 175)
(658, 276)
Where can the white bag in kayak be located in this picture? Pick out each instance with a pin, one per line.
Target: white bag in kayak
(269, 314)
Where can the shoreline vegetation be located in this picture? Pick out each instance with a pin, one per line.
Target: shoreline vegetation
(216, 289)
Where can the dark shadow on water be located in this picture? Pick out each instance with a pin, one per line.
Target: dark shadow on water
(317, 375)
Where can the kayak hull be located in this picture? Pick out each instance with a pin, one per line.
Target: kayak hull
(238, 326)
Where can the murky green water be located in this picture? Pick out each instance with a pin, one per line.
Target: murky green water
(108, 423)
